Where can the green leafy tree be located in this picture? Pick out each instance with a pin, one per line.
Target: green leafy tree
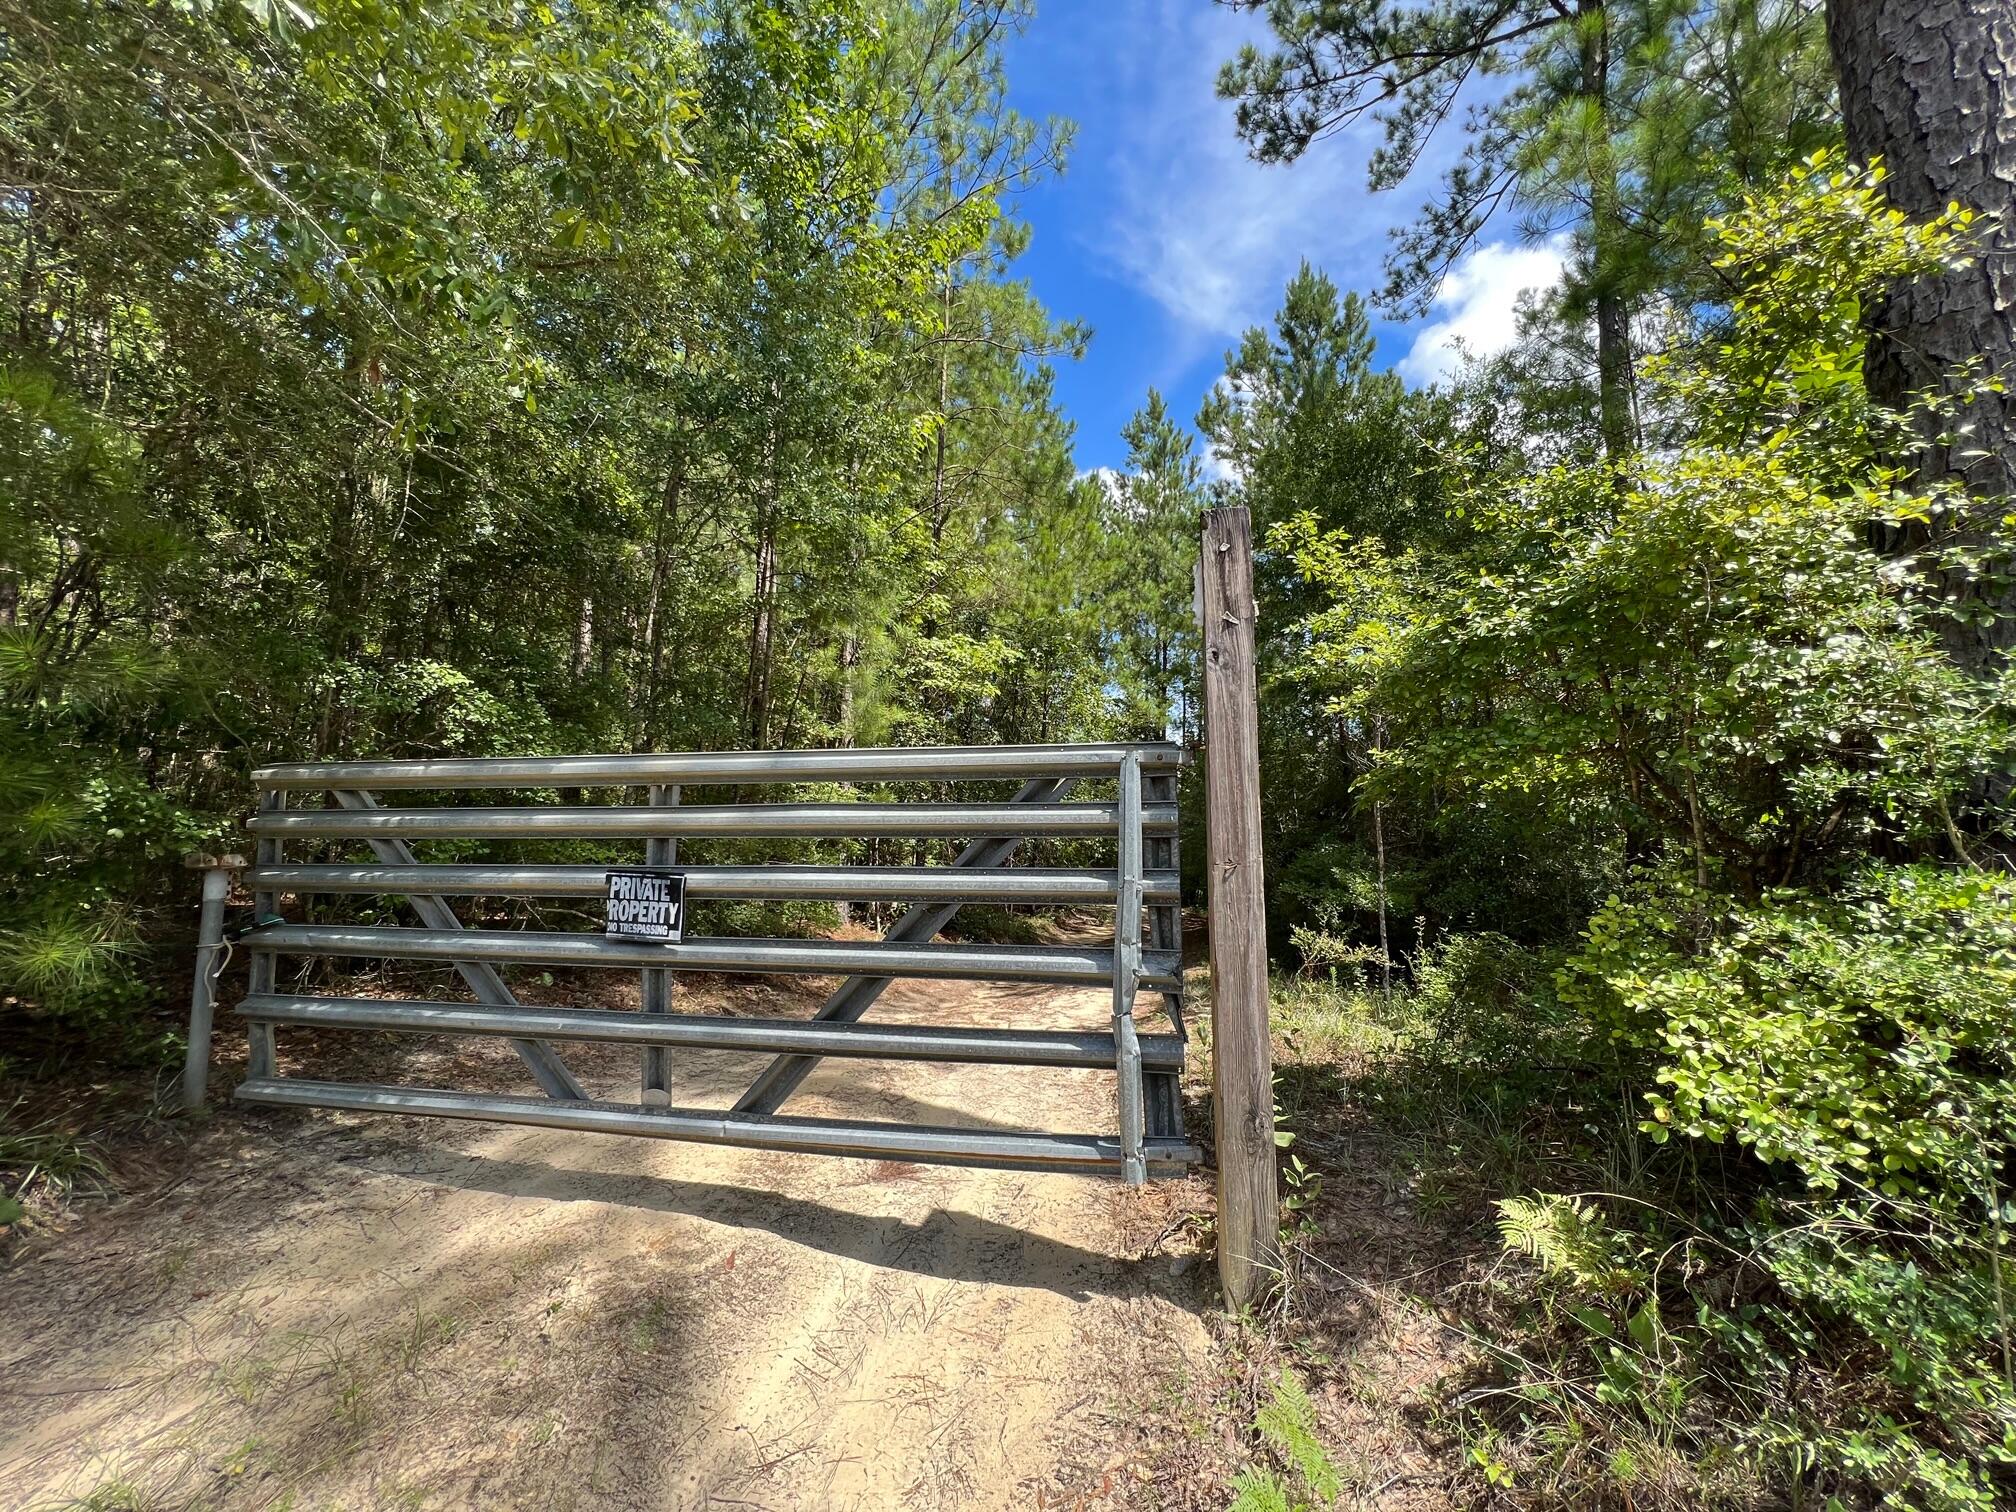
(1712, 651)
(1153, 517)
(382, 379)
(1618, 120)
(1707, 662)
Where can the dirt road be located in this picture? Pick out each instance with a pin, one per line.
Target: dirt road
(321, 1310)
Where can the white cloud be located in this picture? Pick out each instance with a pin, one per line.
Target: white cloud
(1217, 466)
(1110, 479)
(1476, 312)
(1209, 234)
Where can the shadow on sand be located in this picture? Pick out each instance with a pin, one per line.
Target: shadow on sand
(951, 1246)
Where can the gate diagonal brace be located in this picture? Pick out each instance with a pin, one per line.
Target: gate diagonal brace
(554, 1079)
(854, 997)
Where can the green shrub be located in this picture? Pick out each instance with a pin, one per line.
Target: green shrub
(84, 842)
(1863, 1040)
(1726, 661)
(1861, 1048)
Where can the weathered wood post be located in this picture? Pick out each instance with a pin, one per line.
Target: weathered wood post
(1242, 1061)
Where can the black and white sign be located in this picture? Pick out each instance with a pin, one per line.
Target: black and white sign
(646, 905)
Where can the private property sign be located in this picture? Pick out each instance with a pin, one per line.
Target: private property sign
(646, 905)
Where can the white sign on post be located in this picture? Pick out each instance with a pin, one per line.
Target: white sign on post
(645, 905)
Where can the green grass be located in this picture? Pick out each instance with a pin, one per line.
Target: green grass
(1323, 1020)
(1445, 1097)
(115, 1496)
(44, 1155)
(42, 1164)
(1624, 1345)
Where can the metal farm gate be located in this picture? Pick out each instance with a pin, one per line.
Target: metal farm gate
(1138, 819)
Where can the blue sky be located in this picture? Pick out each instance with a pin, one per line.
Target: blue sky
(1170, 241)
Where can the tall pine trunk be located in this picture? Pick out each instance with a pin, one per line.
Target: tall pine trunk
(658, 611)
(1615, 404)
(584, 637)
(1613, 374)
(1929, 86)
(762, 631)
(944, 418)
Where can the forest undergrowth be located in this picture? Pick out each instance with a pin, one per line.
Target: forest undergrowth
(1503, 1287)
(1637, 719)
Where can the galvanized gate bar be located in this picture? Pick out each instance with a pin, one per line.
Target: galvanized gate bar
(1086, 1154)
(554, 1079)
(657, 985)
(1142, 820)
(1160, 888)
(855, 996)
(263, 966)
(834, 821)
(977, 1046)
(1126, 973)
(728, 768)
(1165, 932)
(862, 884)
(1070, 965)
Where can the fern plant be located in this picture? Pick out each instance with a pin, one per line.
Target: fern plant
(1306, 1478)
(1569, 1238)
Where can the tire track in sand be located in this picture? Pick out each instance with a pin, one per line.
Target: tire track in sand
(366, 1313)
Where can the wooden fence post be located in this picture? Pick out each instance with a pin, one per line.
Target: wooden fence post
(1242, 1060)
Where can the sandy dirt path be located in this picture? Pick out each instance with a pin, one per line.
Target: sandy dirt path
(326, 1310)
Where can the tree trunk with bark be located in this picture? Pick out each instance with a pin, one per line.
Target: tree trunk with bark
(584, 637)
(1929, 86)
(762, 626)
(657, 610)
(1614, 374)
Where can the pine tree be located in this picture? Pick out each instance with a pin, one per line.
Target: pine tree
(1929, 87)
(1154, 509)
(1619, 113)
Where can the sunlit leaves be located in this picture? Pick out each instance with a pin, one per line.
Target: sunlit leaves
(413, 376)
(1704, 643)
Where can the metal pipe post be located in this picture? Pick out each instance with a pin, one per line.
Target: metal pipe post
(1065, 965)
(264, 965)
(1088, 1154)
(1165, 903)
(1127, 976)
(1165, 932)
(659, 850)
(764, 881)
(727, 768)
(619, 1026)
(203, 991)
(832, 821)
